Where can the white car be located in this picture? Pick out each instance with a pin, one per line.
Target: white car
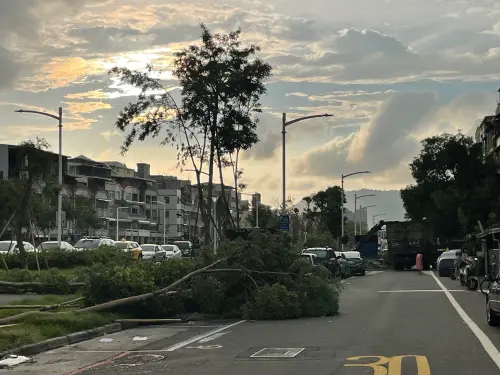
(54, 245)
(153, 252)
(172, 251)
(11, 247)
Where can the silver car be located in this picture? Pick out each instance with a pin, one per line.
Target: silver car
(153, 252)
(172, 251)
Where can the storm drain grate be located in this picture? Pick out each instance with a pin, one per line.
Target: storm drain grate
(277, 353)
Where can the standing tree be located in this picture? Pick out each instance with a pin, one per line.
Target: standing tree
(24, 189)
(329, 209)
(268, 217)
(221, 86)
(454, 187)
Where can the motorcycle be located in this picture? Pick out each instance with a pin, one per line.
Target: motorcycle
(468, 273)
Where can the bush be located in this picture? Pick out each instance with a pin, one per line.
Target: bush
(70, 259)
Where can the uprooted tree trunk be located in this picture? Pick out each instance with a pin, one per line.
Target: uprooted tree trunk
(142, 297)
(21, 316)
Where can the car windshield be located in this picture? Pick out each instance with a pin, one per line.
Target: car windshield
(7, 245)
(148, 247)
(320, 253)
(182, 245)
(352, 255)
(122, 245)
(87, 244)
(168, 247)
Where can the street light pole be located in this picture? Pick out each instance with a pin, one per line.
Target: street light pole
(284, 124)
(355, 205)
(342, 200)
(364, 208)
(59, 196)
(374, 216)
(215, 199)
(117, 218)
(164, 220)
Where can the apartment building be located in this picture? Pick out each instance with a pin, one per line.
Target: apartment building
(141, 206)
(488, 134)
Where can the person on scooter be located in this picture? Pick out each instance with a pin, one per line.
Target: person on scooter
(457, 263)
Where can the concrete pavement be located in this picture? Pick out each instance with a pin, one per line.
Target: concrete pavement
(406, 323)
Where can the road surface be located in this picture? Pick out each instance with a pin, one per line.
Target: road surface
(390, 323)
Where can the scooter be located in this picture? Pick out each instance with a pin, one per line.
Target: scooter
(468, 273)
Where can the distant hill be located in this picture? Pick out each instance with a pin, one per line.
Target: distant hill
(387, 202)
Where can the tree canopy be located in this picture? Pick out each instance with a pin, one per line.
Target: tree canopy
(454, 186)
(328, 209)
(221, 84)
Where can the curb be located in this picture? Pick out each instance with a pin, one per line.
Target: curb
(58, 342)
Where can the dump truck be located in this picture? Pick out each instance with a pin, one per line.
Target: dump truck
(405, 239)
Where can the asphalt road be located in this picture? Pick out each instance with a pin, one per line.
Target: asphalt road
(409, 324)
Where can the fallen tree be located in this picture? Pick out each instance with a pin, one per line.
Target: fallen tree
(259, 278)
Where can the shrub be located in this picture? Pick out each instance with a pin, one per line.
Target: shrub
(70, 259)
(55, 282)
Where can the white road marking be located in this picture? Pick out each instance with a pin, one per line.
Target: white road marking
(213, 337)
(481, 336)
(410, 291)
(202, 336)
(373, 272)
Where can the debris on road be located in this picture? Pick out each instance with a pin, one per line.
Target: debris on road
(14, 360)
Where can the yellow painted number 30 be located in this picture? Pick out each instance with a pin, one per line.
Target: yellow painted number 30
(394, 364)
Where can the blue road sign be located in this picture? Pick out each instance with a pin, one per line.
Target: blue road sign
(285, 222)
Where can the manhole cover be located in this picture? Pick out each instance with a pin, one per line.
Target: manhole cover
(277, 353)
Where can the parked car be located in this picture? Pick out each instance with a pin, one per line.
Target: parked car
(153, 252)
(93, 243)
(445, 264)
(357, 264)
(54, 245)
(309, 257)
(11, 247)
(131, 246)
(328, 258)
(186, 247)
(172, 251)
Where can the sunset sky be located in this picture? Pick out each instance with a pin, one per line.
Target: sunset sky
(392, 72)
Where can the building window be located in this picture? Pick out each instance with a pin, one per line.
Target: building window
(135, 210)
(128, 197)
(135, 197)
(166, 199)
(154, 198)
(118, 195)
(148, 198)
(167, 213)
(178, 200)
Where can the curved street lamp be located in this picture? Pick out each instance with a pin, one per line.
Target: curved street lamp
(284, 124)
(355, 208)
(59, 197)
(342, 199)
(374, 216)
(362, 208)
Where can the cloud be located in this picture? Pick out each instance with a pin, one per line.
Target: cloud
(367, 56)
(108, 134)
(86, 107)
(63, 71)
(379, 146)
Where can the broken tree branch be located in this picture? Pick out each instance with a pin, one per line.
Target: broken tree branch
(167, 290)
